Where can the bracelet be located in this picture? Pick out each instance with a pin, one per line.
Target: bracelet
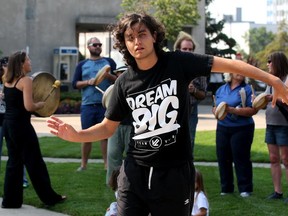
(87, 82)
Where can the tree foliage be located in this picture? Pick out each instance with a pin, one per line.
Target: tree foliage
(279, 43)
(214, 37)
(258, 39)
(174, 14)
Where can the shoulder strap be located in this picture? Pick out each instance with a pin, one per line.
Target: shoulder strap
(17, 81)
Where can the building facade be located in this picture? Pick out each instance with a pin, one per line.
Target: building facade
(277, 11)
(42, 27)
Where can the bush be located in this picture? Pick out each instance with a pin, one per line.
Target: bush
(70, 103)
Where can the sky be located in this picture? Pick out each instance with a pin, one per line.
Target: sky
(252, 10)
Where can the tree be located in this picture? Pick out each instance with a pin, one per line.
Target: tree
(279, 43)
(174, 14)
(214, 37)
(258, 39)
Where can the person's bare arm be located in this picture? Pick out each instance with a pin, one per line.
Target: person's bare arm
(65, 131)
(243, 111)
(245, 69)
(25, 84)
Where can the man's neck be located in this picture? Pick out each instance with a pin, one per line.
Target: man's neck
(95, 57)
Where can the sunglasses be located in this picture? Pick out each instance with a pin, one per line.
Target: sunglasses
(95, 44)
(269, 61)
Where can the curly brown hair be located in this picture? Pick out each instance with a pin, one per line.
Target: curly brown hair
(127, 21)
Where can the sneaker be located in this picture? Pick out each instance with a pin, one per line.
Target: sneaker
(245, 194)
(25, 185)
(224, 193)
(275, 195)
(80, 169)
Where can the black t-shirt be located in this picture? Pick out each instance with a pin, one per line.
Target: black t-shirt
(158, 101)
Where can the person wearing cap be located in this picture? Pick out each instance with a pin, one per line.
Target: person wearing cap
(92, 111)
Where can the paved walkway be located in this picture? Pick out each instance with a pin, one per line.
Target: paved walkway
(207, 121)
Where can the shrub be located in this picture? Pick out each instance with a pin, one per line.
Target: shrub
(70, 103)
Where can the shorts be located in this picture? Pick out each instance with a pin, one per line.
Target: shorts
(91, 115)
(160, 191)
(276, 135)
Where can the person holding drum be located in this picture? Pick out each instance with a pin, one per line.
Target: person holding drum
(21, 139)
(197, 87)
(92, 111)
(154, 91)
(234, 134)
(276, 135)
(3, 68)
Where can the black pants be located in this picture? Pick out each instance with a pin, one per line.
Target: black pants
(159, 191)
(23, 149)
(233, 145)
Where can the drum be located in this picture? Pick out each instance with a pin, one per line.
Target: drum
(106, 96)
(260, 101)
(220, 112)
(100, 76)
(46, 88)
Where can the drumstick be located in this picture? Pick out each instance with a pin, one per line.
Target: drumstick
(56, 84)
(214, 100)
(99, 89)
(253, 93)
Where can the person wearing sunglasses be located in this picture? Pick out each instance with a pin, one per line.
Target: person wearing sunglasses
(92, 111)
(276, 135)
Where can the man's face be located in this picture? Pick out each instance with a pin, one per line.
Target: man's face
(139, 41)
(95, 47)
(186, 46)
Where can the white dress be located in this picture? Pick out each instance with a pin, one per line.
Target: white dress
(200, 202)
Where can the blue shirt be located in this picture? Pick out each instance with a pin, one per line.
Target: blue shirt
(233, 99)
(87, 69)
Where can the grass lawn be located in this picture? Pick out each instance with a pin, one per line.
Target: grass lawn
(88, 195)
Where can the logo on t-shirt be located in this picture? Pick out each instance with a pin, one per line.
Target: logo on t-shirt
(154, 113)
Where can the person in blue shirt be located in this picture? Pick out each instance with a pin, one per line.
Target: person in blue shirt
(92, 111)
(234, 135)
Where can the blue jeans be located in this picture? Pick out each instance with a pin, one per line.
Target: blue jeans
(117, 146)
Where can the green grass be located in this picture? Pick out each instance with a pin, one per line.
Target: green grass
(88, 195)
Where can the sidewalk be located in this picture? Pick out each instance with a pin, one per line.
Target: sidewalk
(207, 121)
